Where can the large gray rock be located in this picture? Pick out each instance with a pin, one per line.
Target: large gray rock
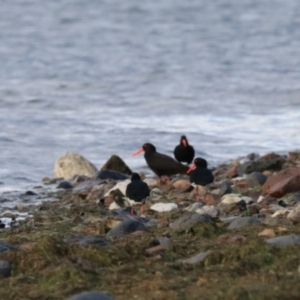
(94, 295)
(189, 219)
(5, 268)
(71, 164)
(243, 221)
(284, 240)
(126, 227)
(117, 164)
(260, 166)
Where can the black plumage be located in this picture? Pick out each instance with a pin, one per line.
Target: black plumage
(200, 175)
(161, 164)
(137, 190)
(184, 152)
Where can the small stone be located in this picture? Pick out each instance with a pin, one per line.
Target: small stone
(267, 233)
(116, 163)
(181, 183)
(225, 188)
(151, 182)
(210, 210)
(30, 193)
(255, 178)
(85, 187)
(195, 259)
(156, 249)
(270, 221)
(232, 172)
(164, 207)
(71, 164)
(94, 295)
(111, 174)
(5, 268)
(124, 228)
(285, 240)
(194, 206)
(66, 185)
(281, 213)
(188, 220)
(243, 221)
(231, 198)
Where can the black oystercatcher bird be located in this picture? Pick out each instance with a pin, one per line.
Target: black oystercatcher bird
(161, 164)
(200, 175)
(184, 152)
(137, 190)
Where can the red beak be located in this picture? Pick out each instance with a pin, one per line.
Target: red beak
(192, 167)
(184, 143)
(138, 151)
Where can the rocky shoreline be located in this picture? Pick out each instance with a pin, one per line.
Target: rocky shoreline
(241, 243)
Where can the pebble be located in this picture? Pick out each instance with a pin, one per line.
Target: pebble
(5, 268)
(210, 210)
(126, 227)
(94, 295)
(243, 221)
(231, 198)
(194, 206)
(66, 185)
(225, 188)
(189, 219)
(285, 240)
(267, 233)
(195, 259)
(164, 207)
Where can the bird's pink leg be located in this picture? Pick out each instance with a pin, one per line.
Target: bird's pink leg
(142, 209)
(205, 194)
(131, 211)
(196, 193)
(168, 180)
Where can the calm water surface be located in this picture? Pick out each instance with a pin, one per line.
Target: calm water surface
(103, 77)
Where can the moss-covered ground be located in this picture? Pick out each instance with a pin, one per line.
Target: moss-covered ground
(46, 267)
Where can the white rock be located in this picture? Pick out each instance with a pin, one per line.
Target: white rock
(275, 207)
(127, 203)
(122, 185)
(247, 199)
(71, 164)
(164, 207)
(280, 213)
(294, 215)
(231, 198)
(151, 182)
(194, 206)
(210, 210)
(260, 198)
